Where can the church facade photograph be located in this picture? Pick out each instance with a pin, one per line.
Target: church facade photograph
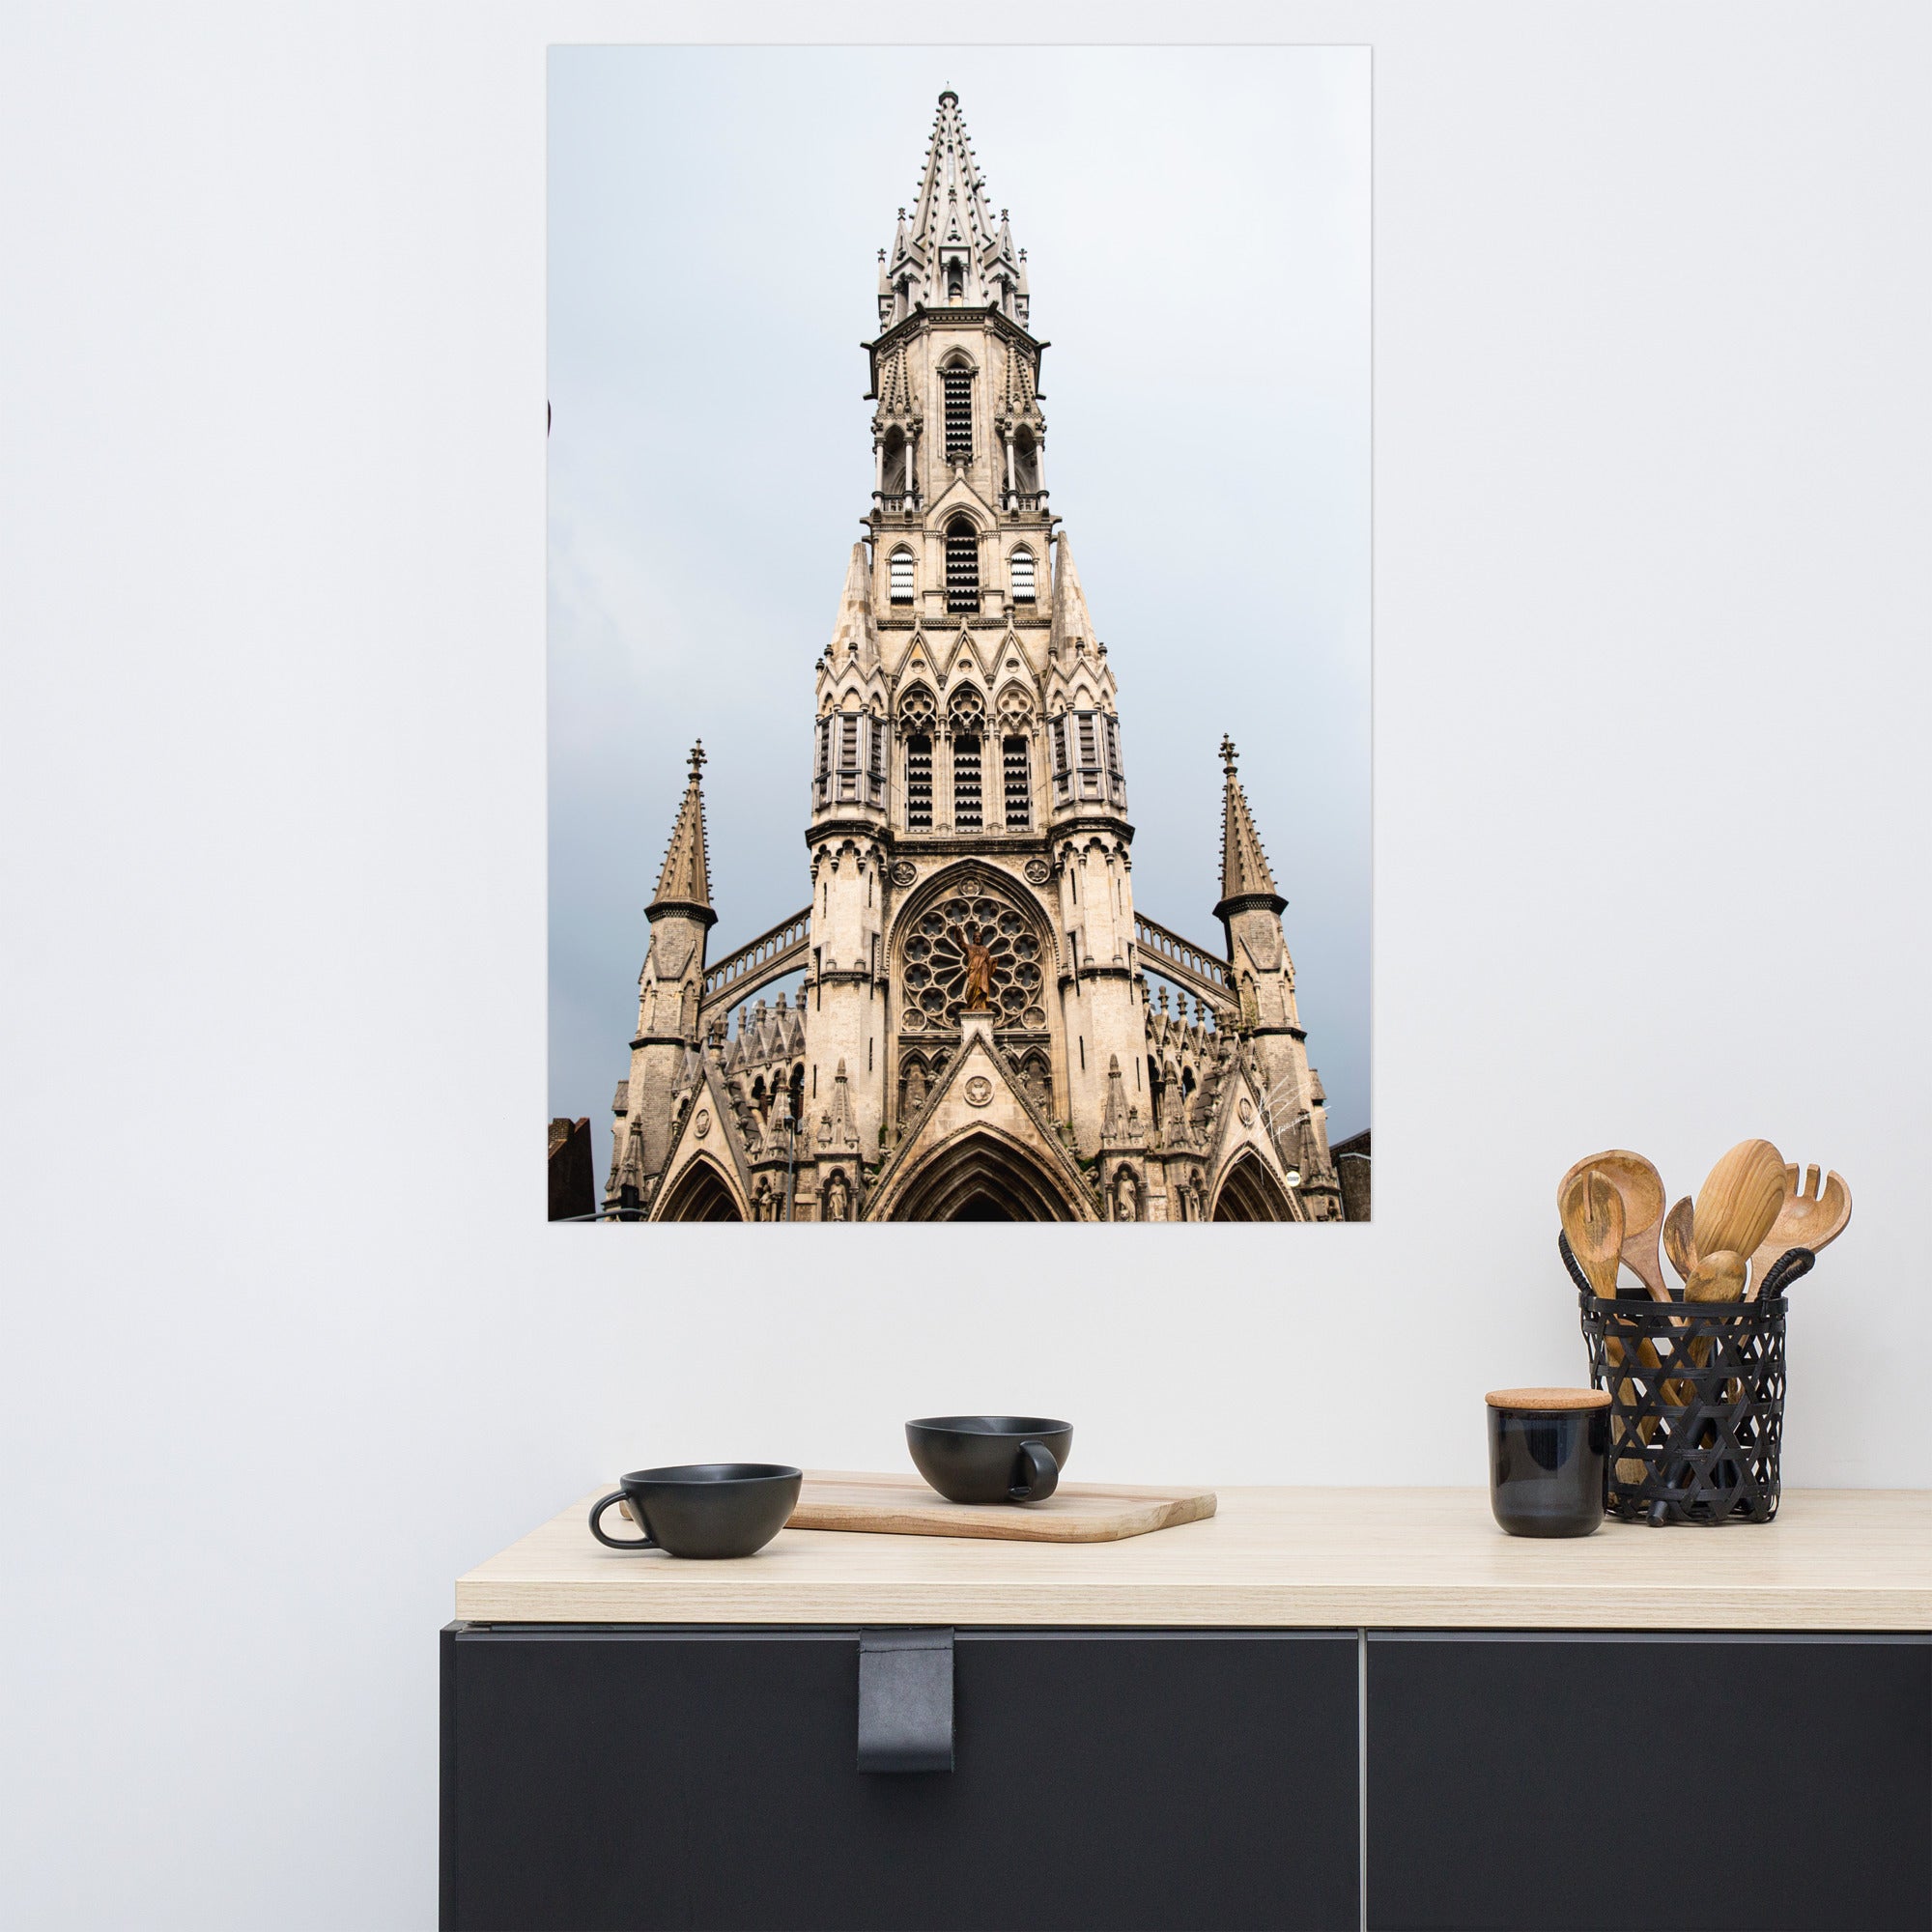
(970, 1012)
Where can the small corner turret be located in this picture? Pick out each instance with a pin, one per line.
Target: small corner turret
(1250, 911)
(671, 992)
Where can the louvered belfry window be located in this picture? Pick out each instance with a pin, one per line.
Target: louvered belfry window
(1023, 577)
(919, 783)
(967, 716)
(852, 757)
(849, 755)
(962, 567)
(902, 575)
(1019, 784)
(968, 812)
(958, 383)
(1088, 726)
(1087, 758)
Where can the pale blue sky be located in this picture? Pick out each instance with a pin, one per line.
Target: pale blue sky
(1197, 227)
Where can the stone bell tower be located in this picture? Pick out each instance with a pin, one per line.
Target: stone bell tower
(968, 791)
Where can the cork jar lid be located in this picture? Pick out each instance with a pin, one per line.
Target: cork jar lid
(1549, 1401)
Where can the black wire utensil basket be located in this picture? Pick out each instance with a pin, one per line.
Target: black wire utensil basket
(1696, 1400)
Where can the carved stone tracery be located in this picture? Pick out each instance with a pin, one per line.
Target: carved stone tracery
(939, 960)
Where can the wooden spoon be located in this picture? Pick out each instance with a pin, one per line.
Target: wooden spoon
(1738, 1201)
(1593, 1218)
(1809, 1217)
(1679, 1239)
(1642, 1187)
(1716, 1277)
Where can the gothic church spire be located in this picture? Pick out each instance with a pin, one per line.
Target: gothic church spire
(954, 250)
(1244, 868)
(685, 882)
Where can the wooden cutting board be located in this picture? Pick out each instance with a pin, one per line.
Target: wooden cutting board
(1075, 1513)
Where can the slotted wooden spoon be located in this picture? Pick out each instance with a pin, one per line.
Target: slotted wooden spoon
(1592, 1210)
(1592, 1213)
(1810, 1216)
(1641, 1188)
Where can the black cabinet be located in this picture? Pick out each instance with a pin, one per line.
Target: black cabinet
(1572, 1781)
(601, 1777)
(605, 1777)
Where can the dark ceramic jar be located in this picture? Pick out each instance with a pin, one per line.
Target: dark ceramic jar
(1549, 1457)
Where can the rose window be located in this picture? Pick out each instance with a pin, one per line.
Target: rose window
(944, 948)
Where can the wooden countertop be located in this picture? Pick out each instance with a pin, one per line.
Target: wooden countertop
(1834, 1559)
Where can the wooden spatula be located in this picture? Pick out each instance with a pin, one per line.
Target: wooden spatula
(1738, 1201)
(1641, 1188)
(1807, 1217)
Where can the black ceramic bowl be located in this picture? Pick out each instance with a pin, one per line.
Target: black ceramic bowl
(990, 1458)
(1549, 1451)
(703, 1509)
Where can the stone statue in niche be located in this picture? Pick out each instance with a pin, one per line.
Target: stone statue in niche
(838, 1197)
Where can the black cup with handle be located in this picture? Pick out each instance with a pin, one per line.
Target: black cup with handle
(702, 1509)
(990, 1458)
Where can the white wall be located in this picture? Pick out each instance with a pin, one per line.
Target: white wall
(289, 1343)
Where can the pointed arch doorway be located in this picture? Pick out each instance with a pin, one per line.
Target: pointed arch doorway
(1249, 1192)
(981, 1176)
(700, 1193)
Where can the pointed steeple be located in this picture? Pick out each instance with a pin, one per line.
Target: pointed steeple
(1244, 868)
(855, 625)
(954, 250)
(684, 885)
(844, 1123)
(894, 391)
(1071, 620)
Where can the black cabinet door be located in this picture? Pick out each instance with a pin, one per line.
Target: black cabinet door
(602, 1778)
(1622, 1781)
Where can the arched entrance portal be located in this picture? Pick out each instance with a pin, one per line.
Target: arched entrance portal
(1249, 1192)
(981, 1207)
(982, 1177)
(700, 1194)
